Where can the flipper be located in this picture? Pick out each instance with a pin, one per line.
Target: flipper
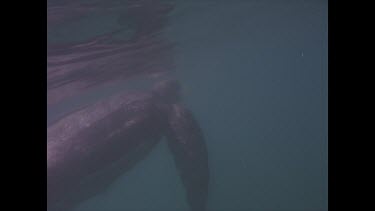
(187, 144)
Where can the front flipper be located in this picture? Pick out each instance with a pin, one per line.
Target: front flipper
(186, 141)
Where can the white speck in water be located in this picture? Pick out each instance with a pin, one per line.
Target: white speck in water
(302, 53)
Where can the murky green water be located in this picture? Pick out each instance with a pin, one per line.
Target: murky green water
(255, 76)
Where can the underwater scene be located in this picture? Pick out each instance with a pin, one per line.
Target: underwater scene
(187, 105)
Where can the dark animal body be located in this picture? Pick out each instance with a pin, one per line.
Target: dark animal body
(78, 61)
(91, 147)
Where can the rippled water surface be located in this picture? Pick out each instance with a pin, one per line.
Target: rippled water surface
(253, 72)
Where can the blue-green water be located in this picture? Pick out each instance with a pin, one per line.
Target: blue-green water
(255, 75)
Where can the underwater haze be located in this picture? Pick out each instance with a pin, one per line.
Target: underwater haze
(255, 75)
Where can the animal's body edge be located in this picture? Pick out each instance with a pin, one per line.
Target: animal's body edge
(148, 120)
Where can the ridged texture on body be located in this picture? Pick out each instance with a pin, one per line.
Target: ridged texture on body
(188, 146)
(87, 149)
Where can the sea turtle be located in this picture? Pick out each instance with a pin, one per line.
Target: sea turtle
(90, 147)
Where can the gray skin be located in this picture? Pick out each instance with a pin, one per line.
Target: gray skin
(88, 149)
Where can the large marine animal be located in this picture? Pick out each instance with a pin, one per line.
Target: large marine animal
(90, 147)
